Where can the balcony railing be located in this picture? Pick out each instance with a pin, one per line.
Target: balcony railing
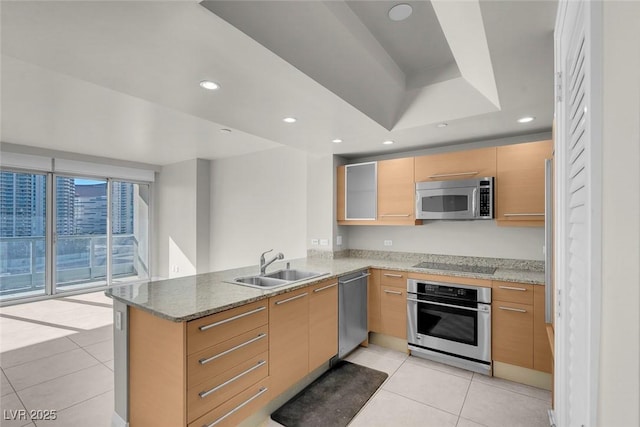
(79, 259)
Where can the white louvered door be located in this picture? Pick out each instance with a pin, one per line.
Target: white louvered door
(578, 219)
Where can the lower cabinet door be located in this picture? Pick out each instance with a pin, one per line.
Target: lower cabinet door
(288, 339)
(393, 311)
(512, 340)
(323, 322)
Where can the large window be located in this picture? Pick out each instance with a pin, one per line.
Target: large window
(99, 233)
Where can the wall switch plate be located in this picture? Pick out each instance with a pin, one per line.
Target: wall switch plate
(339, 240)
(314, 241)
(118, 320)
(388, 242)
(175, 269)
(324, 242)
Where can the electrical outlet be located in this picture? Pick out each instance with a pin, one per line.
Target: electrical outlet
(388, 242)
(175, 269)
(338, 240)
(119, 320)
(324, 242)
(314, 241)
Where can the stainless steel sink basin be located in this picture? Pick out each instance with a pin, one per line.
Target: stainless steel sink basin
(276, 279)
(260, 281)
(293, 275)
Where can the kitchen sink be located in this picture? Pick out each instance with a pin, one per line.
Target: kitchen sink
(293, 275)
(276, 279)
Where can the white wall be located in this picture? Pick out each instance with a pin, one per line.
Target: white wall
(320, 212)
(175, 245)
(620, 346)
(468, 238)
(258, 202)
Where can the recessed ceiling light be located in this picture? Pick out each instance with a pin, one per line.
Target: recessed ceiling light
(389, 142)
(337, 141)
(442, 125)
(225, 130)
(289, 120)
(400, 12)
(209, 85)
(526, 119)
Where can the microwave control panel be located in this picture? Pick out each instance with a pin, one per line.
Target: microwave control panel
(486, 199)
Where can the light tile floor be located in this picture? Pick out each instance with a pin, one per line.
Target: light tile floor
(58, 354)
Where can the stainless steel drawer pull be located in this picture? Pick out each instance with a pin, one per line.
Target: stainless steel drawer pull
(393, 275)
(511, 288)
(386, 291)
(355, 278)
(519, 310)
(231, 319)
(442, 304)
(397, 215)
(232, 349)
(292, 298)
(204, 394)
(523, 214)
(325, 287)
(441, 175)
(237, 408)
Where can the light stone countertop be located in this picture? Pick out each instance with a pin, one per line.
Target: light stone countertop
(187, 298)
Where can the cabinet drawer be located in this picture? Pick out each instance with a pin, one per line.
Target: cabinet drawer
(512, 340)
(393, 278)
(219, 327)
(219, 358)
(211, 393)
(513, 292)
(236, 409)
(393, 308)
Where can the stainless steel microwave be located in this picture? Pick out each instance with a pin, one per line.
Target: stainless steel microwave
(456, 199)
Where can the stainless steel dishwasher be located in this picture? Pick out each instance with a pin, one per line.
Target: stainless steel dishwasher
(352, 315)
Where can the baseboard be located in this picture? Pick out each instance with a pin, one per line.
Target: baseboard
(522, 375)
(117, 421)
(388, 341)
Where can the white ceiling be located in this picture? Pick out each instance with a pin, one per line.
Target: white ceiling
(120, 79)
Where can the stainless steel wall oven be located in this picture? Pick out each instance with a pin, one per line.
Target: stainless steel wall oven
(450, 323)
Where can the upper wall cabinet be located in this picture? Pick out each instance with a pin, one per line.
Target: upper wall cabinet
(396, 192)
(362, 191)
(393, 192)
(520, 183)
(457, 165)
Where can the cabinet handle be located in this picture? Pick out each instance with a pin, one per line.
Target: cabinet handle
(511, 288)
(232, 349)
(237, 408)
(230, 319)
(442, 175)
(393, 275)
(204, 394)
(397, 215)
(292, 298)
(519, 310)
(386, 291)
(523, 214)
(325, 287)
(355, 278)
(459, 307)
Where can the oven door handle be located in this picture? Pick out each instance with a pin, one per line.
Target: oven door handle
(442, 304)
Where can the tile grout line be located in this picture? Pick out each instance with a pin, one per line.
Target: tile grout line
(513, 391)
(473, 374)
(421, 403)
(78, 403)
(442, 370)
(57, 378)
(42, 358)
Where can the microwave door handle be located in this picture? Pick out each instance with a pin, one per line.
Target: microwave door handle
(474, 205)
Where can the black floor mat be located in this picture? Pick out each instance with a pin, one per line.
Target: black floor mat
(333, 399)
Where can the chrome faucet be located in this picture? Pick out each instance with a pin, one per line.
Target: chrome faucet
(264, 264)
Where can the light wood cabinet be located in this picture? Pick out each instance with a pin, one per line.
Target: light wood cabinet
(396, 192)
(393, 303)
(512, 339)
(323, 322)
(466, 164)
(519, 329)
(520, 188)
(288, 339)
(340, 194)
(542, 356)
(373, 305)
